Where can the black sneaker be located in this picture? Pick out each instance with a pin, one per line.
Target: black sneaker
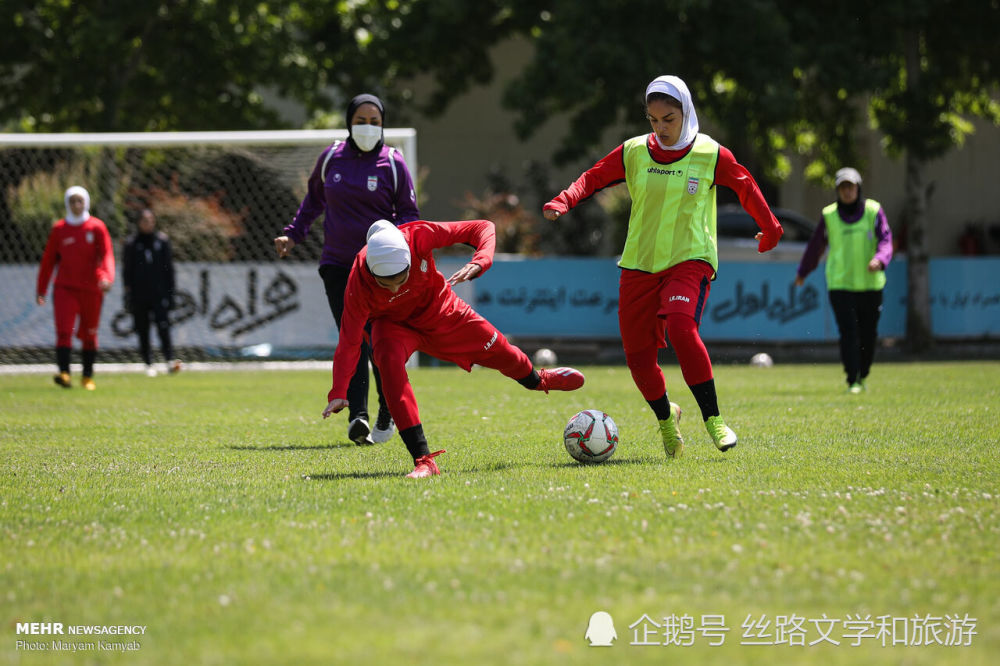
(359, 432)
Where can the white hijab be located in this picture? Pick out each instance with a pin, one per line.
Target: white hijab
(388, 253)
(676, 88)
(83, 217)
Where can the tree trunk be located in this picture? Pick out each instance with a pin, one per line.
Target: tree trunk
(918, 302)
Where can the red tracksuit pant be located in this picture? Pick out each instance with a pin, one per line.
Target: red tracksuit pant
(70, 304)
(461, 337)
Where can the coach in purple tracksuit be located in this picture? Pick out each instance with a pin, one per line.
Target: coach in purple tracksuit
(354, 183)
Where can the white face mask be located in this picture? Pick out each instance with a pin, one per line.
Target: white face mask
(366, 136)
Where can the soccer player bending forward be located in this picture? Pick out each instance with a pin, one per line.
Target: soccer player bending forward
(394, 284)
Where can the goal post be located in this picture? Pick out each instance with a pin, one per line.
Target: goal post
(403, 138)
(222, 197)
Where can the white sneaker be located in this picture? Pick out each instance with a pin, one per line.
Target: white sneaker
(384, 428)
(150, 371)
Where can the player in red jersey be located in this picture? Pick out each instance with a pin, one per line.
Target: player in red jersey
(81, 247)
(395, 284)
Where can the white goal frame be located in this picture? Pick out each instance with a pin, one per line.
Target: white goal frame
(404, 137)
(33, 325)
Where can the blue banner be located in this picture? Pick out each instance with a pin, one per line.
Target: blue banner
(749, 301)
(965, 296)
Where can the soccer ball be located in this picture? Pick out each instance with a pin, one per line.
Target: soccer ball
(761, 360)
(545, 357)
(591, 436)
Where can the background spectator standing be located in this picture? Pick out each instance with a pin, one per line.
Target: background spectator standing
(148, 273)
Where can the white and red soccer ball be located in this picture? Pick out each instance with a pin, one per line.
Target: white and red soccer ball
(545, 358)
(591, 436)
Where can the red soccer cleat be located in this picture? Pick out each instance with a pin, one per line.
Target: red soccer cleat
(559, 379)
(425, 466)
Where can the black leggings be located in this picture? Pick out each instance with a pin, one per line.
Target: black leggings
(140, 322)
(335, 282)
(857, 314)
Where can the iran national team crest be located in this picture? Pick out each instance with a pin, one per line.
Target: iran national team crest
(372, 183)
(692, 186)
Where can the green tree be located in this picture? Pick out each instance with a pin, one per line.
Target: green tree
(119, 65)
(941, 66)
(779, 77)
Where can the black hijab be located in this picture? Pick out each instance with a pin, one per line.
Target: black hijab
(353, 106)
(851, 211)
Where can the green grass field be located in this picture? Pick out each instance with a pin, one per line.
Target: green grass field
(220, 511)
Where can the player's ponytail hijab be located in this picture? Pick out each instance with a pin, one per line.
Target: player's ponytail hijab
(76, 190)
(676, 88)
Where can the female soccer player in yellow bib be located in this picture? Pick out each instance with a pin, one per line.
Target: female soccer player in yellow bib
(670, 256)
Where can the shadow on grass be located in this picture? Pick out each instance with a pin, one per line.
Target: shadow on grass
(614, 462)
(498, 466)
(351, 475)
(293, 447)
(495, 466)
(643, 461)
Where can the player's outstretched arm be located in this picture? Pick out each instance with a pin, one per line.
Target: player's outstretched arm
(768, 238)
(467, 272)
(335, 406)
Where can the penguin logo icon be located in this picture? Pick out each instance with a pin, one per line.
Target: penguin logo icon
(601, 630)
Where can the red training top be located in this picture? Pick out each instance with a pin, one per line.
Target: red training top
(83, 252)
(420, 302)
(611, 170)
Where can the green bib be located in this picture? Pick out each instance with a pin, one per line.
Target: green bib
(852, 246)
(673, 207)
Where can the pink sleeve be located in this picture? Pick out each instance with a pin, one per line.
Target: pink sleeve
(883, 251)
